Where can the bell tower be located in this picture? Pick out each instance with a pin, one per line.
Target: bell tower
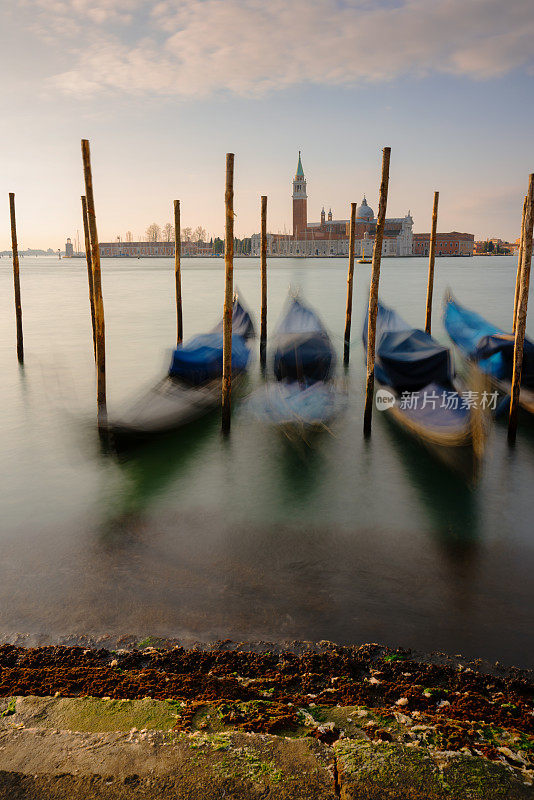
(300, 202)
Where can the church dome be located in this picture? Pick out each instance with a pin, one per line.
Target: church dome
(364, 211)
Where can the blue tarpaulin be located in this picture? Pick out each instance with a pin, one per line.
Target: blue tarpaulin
(487, 344)
(201, 358)
(302, 394)
(304, 352)
(466, 328)
(407, 358)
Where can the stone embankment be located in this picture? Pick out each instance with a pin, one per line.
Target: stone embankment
(308, 721)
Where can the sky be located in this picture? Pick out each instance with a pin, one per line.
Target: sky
(164, 90)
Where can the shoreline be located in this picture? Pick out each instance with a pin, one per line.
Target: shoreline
(302, 721)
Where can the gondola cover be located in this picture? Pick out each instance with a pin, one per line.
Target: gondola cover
(304, 352)
(487, 344)
(201, 358)
(407, 358)
(503, 344)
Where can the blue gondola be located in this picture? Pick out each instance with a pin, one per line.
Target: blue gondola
(491, 348)
(303, 394)
(421, 393)
(192, 386)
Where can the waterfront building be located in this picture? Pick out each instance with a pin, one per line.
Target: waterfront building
(447, 244)
(496, 247)
(329, 236)
(69, 249)
(153, 249)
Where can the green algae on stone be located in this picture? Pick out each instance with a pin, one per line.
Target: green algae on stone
(91, 714)
(244, 763)
(260, 763)
(383, 771)
(370, 771)
(472, 778)
(10, 707)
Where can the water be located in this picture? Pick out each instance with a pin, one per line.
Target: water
(254, 537)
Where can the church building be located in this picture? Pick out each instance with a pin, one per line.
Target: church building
(329, 236)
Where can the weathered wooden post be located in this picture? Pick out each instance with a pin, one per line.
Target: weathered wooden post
(263, 267)
(228, 294)
(519, 260)
(89, 269)
(373, 293)
(431, 259)
(178, 272)
(97, 288)
(16, 278)
(521, 321)
(350, 280)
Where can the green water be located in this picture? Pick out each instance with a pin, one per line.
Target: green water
(255, 537)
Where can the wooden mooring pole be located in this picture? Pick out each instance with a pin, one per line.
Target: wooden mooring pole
(519, 261)
(16, 278)
(263, 268)
(522, 307)
(89, 269)
(178, 272)
(373, 292)
(431, 260)
(350, 281)
(97, 288)
(228, 294)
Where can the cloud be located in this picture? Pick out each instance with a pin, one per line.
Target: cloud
(249, 47)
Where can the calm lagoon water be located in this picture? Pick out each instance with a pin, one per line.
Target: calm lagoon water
(254, 537)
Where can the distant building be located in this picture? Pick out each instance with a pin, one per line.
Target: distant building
(69, 249)
(447, 244)
(329, 236)
(496, 247)
(153, 249)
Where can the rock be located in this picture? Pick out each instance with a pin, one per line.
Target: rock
(37, 764)
(402, 719)
(511, 756)
(391, 771)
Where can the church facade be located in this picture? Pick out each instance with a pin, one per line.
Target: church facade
(329, 236)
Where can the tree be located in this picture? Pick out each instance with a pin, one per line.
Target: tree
(218, 245)
(187, 234)
(129, 237)
(168, 232)
(199, 234)
(153, 233)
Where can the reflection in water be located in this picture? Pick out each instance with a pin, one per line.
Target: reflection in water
(451, 507)
(301, 463)
(145, 472)
(449, 502)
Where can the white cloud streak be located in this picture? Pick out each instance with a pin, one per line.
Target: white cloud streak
(191, 48)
